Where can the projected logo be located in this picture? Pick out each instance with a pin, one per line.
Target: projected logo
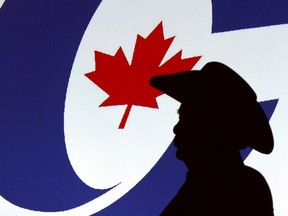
(117, 129)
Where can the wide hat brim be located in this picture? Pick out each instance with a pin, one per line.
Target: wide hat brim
(219, 85)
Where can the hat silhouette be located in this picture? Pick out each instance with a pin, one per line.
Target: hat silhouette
(218, 86)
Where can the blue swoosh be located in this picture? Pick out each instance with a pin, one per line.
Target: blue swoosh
(38, 43)
(242, 14)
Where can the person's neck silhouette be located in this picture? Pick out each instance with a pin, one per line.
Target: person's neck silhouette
(218, 116)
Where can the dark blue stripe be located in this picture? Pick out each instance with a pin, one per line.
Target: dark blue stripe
(39, 40)
(241, 14)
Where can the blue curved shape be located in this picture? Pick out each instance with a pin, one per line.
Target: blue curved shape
(241, 14)
(38, 43)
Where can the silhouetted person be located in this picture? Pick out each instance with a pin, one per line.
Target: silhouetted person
(218, 116)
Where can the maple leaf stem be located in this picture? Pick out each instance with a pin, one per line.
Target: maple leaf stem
(125, 117)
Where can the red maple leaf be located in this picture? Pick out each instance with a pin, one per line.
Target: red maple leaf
(129, 84)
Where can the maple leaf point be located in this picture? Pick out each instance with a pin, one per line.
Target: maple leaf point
(129, 84)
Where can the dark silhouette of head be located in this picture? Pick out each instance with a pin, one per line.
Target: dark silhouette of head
(218, 116)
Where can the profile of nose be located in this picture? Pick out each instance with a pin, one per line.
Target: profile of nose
(176, 129)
